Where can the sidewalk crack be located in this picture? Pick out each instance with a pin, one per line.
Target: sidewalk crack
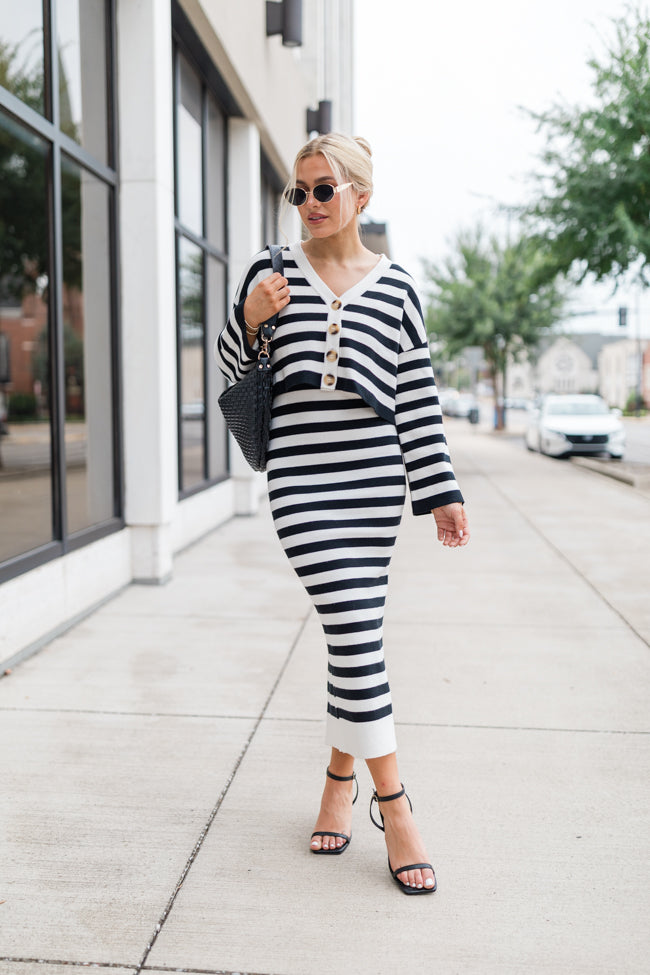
(222, 795)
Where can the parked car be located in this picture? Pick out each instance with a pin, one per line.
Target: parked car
(445, 397)
(462, 405)
(575, 424)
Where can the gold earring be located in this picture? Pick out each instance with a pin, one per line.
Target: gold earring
(359, 209)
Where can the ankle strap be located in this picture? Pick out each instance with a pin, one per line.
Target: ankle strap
(396, 795)
(345, 778)
(378, 799)
(340, 778)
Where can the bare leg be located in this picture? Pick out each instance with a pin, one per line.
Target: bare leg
(403, 839)
(336, 804)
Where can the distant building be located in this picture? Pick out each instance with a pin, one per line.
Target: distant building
(621, 370)
(560, 364)
(375, 237)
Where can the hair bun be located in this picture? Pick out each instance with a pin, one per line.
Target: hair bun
(364, 144)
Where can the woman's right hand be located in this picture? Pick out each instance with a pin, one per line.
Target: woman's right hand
(266, 299)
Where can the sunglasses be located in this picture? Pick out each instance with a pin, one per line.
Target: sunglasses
(322, 193)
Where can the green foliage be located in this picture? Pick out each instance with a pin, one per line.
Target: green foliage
(592, 204)
(15, 78)
(502, 298)
(22, 406)
(635, 403)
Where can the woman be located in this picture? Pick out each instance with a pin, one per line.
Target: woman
(354, 409)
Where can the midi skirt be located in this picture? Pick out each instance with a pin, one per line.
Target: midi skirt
(337, 486)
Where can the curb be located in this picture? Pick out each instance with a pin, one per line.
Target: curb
(637, 476)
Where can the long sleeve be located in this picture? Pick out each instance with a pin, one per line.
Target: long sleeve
(232, 350)
(418, 418)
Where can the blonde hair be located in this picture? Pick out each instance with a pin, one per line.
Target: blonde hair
(349, 159)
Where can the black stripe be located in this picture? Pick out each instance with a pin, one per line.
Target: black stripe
(334, 564)
(365, 670)
(358, 694)
(374, 482)
(333, 543)
(358, 717)
(336, 525)
(351, 606)
(339, 584)
(355, 649)
(361, 626)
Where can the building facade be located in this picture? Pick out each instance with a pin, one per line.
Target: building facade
(143, 149)
(561, 364)
(621, 371)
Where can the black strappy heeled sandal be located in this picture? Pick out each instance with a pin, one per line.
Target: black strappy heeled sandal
(328, 832)
(411, 866)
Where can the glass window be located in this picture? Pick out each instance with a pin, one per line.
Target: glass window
(192, 388)
(25, 382)
(87, 348)
(270, 208)
(81, 49)
(21, 51)
(190, 150)
(216, 313)
(58, 436)
(201, 151)
(216, 175)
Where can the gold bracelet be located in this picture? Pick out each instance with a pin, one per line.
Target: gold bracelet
(251, 328)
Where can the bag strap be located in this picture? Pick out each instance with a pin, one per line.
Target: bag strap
(268, 328)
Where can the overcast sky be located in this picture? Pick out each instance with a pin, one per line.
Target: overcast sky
(438, 93)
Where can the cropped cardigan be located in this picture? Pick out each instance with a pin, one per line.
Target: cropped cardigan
(370, 341)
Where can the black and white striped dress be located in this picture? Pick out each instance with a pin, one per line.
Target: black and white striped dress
(355, 414)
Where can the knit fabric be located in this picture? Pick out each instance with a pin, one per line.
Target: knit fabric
(370, 341)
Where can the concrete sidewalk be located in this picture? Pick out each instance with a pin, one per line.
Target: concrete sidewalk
(163, 760)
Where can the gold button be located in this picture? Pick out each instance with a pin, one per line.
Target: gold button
(336, 304)
(334, 328)
(332, 355)
(329, 379)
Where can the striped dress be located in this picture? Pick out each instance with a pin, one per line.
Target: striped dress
(355, 415)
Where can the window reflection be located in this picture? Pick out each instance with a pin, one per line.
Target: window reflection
(216, 175)
(25, 432)
(190, 167)
(21, 51)
(192, 391)
(87, 348)
(81, 46)
(217, 430)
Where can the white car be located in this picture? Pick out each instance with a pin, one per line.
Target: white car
(575, 424)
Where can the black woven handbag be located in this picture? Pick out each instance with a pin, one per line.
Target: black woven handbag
(246, 405)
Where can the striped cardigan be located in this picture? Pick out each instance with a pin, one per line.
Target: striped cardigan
(370, 341)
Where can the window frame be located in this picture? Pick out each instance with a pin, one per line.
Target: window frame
(46, 127)
(186, 45)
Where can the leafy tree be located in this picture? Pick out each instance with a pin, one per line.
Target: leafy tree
(501, 297)
(592, 202)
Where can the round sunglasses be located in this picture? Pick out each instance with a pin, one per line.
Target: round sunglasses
(322, 193)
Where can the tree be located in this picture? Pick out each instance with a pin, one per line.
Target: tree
(592, 205)
(501, 297)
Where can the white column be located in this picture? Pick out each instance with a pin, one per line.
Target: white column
(147, 281)
(244, 230)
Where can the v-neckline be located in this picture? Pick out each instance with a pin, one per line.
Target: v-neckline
(324, 289)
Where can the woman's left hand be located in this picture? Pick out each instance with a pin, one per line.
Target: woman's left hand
(452, 524)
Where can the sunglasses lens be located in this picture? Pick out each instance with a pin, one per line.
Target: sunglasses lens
(323, 192)
(295, 196)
